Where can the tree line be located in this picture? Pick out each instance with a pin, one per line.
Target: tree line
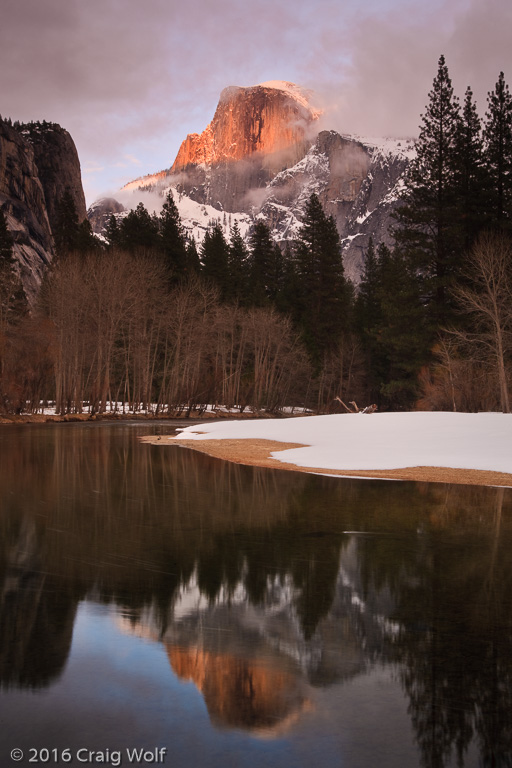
(148, 317)
(148, 321)
(435, 311)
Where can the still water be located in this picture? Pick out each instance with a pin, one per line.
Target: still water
(161, 607)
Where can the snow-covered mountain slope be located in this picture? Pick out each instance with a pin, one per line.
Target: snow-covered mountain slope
(358, 181)
(262, 157)
(196, 217)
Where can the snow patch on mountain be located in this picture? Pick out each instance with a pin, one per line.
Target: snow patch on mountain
(387, 146)
(196, 217)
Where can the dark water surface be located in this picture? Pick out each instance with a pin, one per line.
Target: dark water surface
(155, 599)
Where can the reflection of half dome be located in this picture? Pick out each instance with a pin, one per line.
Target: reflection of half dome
(240, 692)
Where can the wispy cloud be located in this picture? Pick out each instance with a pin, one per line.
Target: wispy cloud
(130, 80)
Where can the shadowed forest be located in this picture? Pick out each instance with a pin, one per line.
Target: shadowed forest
(145, 319)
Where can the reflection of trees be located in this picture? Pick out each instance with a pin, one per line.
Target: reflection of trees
(133, 524)
(454, 609)
(136, 521)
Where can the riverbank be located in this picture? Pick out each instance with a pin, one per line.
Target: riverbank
(469, 449)
(43, 418)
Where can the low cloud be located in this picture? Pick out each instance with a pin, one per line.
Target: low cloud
(130, 80)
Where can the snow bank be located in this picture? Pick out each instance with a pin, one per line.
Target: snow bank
(379, 441)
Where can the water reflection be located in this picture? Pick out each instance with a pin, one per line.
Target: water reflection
(261, 586)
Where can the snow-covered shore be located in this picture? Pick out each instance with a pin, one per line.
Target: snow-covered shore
(381, 441)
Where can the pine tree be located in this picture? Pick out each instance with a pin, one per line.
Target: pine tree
(86, 241)
(367, 303)
(238, 266)
(322, 304)
(214, 257)
(194, 265)
(174, 241)
(401, 335)
(265, 266)
(427, 233)
(67, 227)
(13, 302)
(368, 317)
(6, 241)
(113, 232)
(139, 230)
(470, 178)
(498, 151)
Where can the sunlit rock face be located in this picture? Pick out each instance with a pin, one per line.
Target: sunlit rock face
(269, 119)
(255, 133)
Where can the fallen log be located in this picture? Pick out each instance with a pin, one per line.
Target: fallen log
(369, 408)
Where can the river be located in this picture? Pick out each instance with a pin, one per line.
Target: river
(160, 606)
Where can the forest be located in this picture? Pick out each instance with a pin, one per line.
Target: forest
(147, 321)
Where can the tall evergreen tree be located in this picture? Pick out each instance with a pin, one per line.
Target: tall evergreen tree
(368, 316)
(238, 266)
(67, 228)
(139, 230)
(113, 232)
(402, 335)
(265, 266)
(427, 232)
(367, 303)
(322, 303)
(214, 257)
(13, 302)
(470, 178)
(193, 262)
(498, 151)
(6, 241)
(86, 241)
(174, 241)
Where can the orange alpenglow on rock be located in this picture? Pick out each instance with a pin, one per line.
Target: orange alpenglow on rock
(239, 692)
(271, 118)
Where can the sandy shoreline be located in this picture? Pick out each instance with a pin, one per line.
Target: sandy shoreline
(257, 453)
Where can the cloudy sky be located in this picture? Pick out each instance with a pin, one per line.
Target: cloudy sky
(129, 79)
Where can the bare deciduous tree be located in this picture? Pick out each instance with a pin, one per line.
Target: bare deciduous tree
(487, 299)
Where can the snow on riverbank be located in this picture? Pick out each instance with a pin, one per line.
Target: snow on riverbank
(379, 441)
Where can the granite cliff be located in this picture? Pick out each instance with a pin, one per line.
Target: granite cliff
(22, 200)
(271, 122)
(58, 166)
(38, 162)
(255, 132)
